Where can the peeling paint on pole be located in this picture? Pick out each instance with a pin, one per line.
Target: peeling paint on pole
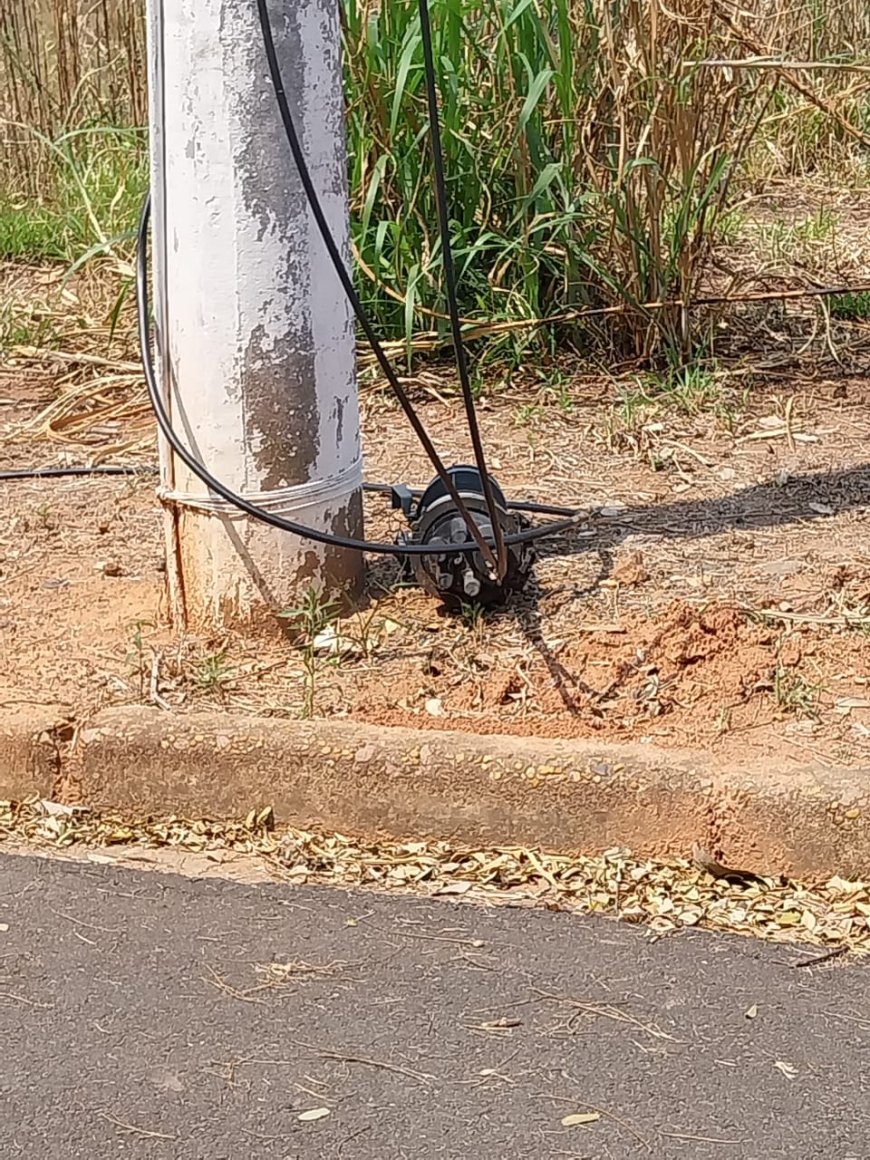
(259, 332)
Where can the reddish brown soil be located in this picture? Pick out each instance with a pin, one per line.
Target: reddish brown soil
(80, 568)
(722, 599)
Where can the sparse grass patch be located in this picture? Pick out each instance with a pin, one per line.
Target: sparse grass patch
(213, 672)
(692, 389)
(792, 243)
(794, 694)
(22, 325)
(310, 619)
(136, 657)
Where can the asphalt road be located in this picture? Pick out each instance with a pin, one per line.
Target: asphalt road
(131, 1026)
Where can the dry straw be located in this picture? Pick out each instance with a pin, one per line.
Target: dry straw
(595, 149)
(65, 64)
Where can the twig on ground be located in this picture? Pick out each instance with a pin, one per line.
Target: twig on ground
(25, 1001)
(816, 960)
(233, 992)
(133, 1129)
(606, 1011)
(700, 1139)
(382, 1065)
(155, 683)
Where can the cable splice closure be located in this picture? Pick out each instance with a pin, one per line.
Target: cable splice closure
(164, 422)
(492, 505)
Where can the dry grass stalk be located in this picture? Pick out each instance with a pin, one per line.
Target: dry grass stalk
(66, 63)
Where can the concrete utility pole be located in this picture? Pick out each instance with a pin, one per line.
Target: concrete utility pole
(255, 338)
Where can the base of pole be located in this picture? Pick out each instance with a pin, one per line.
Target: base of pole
(243, 575)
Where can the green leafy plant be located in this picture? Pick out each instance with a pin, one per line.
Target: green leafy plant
(589, 154)
(213, 672)
(851, 307)
(309, 619)
(794, 694)
(136, 654)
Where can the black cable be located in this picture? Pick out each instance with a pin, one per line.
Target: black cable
(165, 423)
(87, 469)
(545, 509)
(478, 542)
(514, 505)
(352, 296)
(450, 287)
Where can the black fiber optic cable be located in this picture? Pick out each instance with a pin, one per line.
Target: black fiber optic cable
(450, 287)
(165, 423)
(133, 469)
(478, 542)
(83, 469)
(350, 290)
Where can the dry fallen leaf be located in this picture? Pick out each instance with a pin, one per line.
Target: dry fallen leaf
(502, 1024)
(59, 809)
(580, 1118)
(752, 1012)
(313, 1114)
(455, 888)
(666, 895)
(845, 885)
(705, 861)
(4, 926)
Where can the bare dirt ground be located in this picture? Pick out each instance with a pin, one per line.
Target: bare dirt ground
(718, 596)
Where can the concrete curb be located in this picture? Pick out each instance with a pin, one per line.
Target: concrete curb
(560, 795)
(29, 754)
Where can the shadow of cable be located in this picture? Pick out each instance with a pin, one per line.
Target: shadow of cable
(804, 498)
(800, 499)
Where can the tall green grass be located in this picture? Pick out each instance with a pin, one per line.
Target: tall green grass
(590, 157)
(593, 157)
(94, 179)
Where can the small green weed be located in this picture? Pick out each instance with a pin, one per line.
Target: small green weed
(794, 694)
(474, 618)
(690, 389)
(213, 672)
(310, 618)
(21, 325)
(819, 227)
(730, 226)
(47, 518)
(792, 242)
(528, 414)
(136, 653)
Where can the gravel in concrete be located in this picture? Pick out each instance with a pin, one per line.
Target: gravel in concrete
(132, 1026)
